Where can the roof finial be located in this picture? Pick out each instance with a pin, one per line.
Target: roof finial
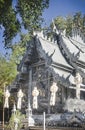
(54, 26)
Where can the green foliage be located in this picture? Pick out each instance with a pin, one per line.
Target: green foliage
(1, 95)
(77, 21)
(8, 71)
(69, 23)
(18, 49)
(31, 12)
(60, 22)
(9, 21)
(26, 12)
(17, 117)
(8, 65)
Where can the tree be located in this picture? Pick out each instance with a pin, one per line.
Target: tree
(83, 22)
(8, 71)
(77, 20)
(60, 22)
(69, 23)
(8, 20)
(26, 13)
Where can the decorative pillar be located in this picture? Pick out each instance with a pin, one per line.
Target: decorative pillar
(53, 89)
(7, 95)
(31, 121)
(78, 81)
(35, 94)
(29, 111)
(20, 96)
(30, 86)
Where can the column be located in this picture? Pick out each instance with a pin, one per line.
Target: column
(30, 86)
(30, 119)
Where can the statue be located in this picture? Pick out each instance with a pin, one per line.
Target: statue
(53, 90)
(20, 96)
(7, 95)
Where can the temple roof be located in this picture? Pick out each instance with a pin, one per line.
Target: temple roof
(79, 45)
(61, 53)
(51, 48)
(69, 45)
(75, 47)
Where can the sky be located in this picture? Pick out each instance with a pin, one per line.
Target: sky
(63, 8)
(56, 8)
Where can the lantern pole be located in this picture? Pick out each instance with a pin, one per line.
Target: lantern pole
(3, 109)
(43, 120)
(30, 119)
(3, 106)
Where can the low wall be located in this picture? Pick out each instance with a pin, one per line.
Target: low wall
(58, 128)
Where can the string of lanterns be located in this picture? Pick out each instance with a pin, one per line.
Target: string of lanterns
(35, 94)
(19, 101)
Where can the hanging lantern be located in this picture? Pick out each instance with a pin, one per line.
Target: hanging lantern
(20, 96)
(35, 94)
(53, 89)
(78, 81)
(7, 95)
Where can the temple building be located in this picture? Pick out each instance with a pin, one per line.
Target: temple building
(54, 66)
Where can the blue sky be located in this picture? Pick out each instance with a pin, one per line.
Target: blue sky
(57, 8)
(63, 8)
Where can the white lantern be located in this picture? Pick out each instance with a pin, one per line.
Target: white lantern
(7, 95)
(19, 95)
(35, 94)
(78, 81)
(53, 89)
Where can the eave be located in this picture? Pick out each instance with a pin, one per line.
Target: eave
(65, 68)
